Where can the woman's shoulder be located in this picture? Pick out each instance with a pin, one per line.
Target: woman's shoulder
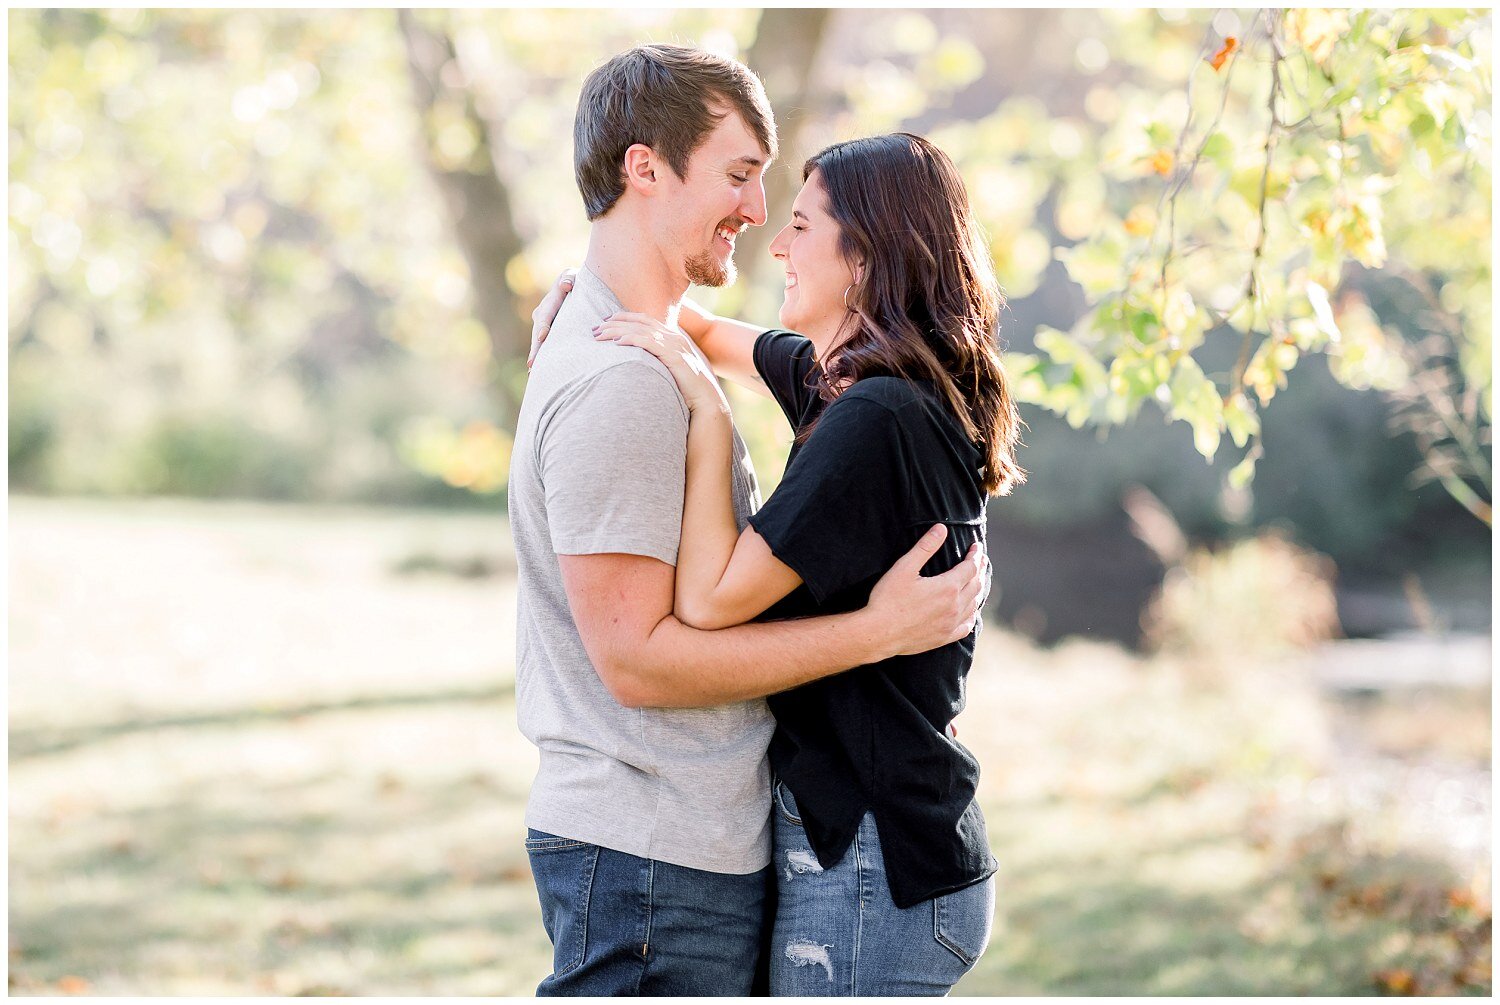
(895, 394)
(783, 342)
(913, 405)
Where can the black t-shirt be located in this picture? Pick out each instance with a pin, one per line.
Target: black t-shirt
(885, 462)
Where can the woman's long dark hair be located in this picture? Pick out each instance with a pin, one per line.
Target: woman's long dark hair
(927, 306)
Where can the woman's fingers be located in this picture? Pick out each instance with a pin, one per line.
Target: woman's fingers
(546, 311)
(629, 335)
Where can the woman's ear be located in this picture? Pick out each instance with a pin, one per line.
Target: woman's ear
(640, 167)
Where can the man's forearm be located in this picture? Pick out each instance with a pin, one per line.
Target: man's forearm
(682, 667)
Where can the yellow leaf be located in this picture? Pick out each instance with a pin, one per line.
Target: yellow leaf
(1317, 30)
(1140, 221)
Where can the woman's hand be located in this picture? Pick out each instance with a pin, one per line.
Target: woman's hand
(546, 311)
(675, 350)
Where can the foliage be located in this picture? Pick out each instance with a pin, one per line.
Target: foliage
(227, 212)
(234, 214)
(1263, 596)
(216, 213)
(1234, 210)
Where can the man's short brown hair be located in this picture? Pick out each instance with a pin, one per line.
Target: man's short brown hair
(661, 96)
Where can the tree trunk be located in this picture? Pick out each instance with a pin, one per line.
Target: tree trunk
(477, 200)
(786, 45)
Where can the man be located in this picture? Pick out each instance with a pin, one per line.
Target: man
(649, 815)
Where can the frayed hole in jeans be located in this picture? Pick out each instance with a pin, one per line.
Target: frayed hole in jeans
(801, 863)
(810, 954)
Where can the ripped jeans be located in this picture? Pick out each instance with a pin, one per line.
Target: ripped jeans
(838, 933)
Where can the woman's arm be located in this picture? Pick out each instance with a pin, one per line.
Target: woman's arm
(724, 577)
(728, 344)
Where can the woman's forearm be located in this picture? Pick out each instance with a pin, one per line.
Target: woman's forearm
(709, 530)
(694, 321)
(728, 344)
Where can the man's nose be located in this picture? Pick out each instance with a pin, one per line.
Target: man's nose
(753, 204)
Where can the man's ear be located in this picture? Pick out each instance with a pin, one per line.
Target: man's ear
(640, 168)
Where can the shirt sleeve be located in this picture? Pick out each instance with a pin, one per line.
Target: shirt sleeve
(785, 361)
(841, 514)
(613, 465)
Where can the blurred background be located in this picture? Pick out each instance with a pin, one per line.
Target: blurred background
(270, 277)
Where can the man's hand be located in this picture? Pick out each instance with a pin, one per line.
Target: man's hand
(915, 613)
(546, 312)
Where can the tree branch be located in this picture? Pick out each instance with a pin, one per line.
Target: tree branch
(1252, 290)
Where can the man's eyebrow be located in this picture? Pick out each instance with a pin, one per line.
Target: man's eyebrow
(751, 161)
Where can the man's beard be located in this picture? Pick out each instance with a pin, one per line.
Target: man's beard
(705, 269)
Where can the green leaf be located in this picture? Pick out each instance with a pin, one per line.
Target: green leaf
(1322, 311)
(1196, 400)
(1240, 419)
(1219, 151)
(1096, 265)
(1243, 473)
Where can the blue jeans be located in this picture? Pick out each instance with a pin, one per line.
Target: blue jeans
(622, 925)
(838, 933)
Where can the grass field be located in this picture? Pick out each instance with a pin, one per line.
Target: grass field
(273, 751)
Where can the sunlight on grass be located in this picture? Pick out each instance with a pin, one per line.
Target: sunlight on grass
(251, 755)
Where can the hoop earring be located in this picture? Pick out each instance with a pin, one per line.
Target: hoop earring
(846, 297)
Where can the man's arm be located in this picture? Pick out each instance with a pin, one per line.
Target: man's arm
(622, 605)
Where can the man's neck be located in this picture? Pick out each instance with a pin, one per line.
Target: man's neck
(633, 268)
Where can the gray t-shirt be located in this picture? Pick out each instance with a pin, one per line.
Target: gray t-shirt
(598, 467)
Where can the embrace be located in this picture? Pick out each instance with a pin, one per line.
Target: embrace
(748, 779)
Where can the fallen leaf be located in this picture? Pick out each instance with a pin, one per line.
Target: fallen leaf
(286, 880)
(72, 985)
(1461, 900)
(1400, 982)
(321, 991)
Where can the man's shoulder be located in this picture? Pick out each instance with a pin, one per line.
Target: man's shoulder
(609, 392)
(629, 377)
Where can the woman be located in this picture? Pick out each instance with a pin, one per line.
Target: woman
(903, 419)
